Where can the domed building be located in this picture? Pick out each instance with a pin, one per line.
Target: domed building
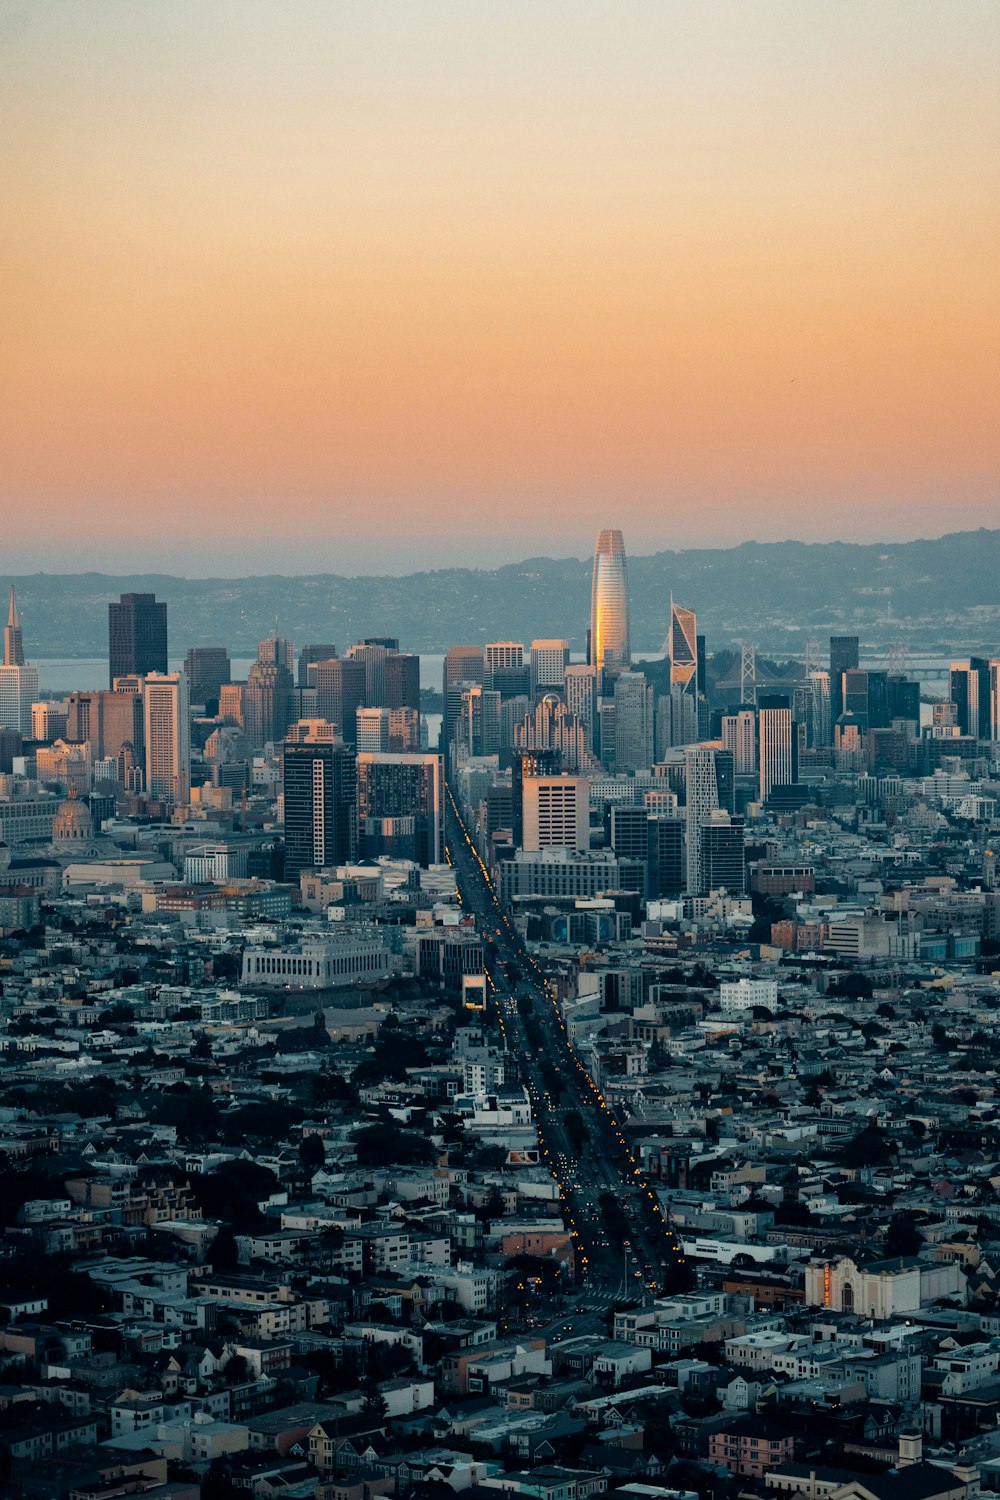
(72, 826)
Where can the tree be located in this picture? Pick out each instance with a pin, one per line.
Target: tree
(869, 1148)
(389, 1145)
(312, 1153)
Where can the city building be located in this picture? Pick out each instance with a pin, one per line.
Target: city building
(400, 806)
(137, 636)
(167, 736)
(556, 813)
(633, 699)
(844, 657)
(609, 606)
(319, 783)
(208, 668)
(701, 792)
(682, 650)
(549, 660)
(776, 744)
(340, 692)
(13, 642)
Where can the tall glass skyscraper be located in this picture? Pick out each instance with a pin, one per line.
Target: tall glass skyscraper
(609, 643)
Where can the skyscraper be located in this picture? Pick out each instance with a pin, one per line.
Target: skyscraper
(505, 669)
(208, 669)
(580, 688)
(402, 681)
(400, 806)
(308, 657)
(776, 744)
(843, 658)
(13, 644)
(319, 780)
(464, 666)
(549, 660)
(609, 614)
(633, 722)
(167, 734)
(137, 636)
(267, 697)
(18, 683)
(739, 734)
(701, 799)
(340, 692)
(556, 813)
(682, 645)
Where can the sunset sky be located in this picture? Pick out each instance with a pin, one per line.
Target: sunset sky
(375, 286)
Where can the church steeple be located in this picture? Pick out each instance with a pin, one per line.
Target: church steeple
(13, 644)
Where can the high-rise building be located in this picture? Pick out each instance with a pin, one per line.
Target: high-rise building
(609, 609)
(776, 744)
(633, 722)
(580, 691)
(404, 730)
(666, 865)
(843, 658)
(267, 696)
(374, 654)
(319, 782)
(308, 657)
(701, 801)
(167, 736)
(18, 683)
(402, 681)
(464, 666)
(723, 855)
(556, 813)
(682, 644)
(108, 720)
(994, 705)
(739, 735)
(400, 806)
(970, 693)
(340, 692)
(372, 732)
(208, 668)
(137, 636)
(505, 671)
(549, 660)
(477, 727)
(819, 708)
(13, 643)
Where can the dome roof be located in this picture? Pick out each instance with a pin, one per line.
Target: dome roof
(72, 822)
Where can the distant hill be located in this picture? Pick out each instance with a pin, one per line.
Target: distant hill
(935, 593)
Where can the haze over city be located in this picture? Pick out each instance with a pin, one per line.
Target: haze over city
(359, 284)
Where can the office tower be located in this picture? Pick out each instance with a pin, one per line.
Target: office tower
(477, 727)
(843, 658)
(556, 813)
(633, 722)
(340, 692)
(662, 727)
(776, 750)
(725, 778)
(506, 672)
(628, 834)
(404, 730)
(701, 800)
(464, 666)
(374, 654)
(167, 736)
(320, 783)
(108, 720)
(904, 700)
(723, 856)
(274, 650)
(18, 683)
(819, 707)
(854, 696)
(877, 709)
(231, 703)
(551, 726)
(137, 636)
(208, 669)
(682, 645)
(549, 660)
(267, 696)
(49, 721)
(970, 693)
(372, 730)
(401, 674)
(606, 730)
(666, 862)
(400, 806)
(609, 614)
(580, 692)
(308, 657)
(525, 764)
(13, 643)
(739, 735)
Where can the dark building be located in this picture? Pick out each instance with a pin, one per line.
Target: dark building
(308, 657)
(628, 829)
(340, 692)
(464, 666)
(400, 811)
(843, 658)
(320, 780)
(207, 668)
(904, 699)
(108, 720)
(137, 636)
(723, 858)
(666, 859)
(402, 682)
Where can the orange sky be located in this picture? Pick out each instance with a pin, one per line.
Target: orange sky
(377, 286)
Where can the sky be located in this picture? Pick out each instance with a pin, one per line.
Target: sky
(376, 285)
